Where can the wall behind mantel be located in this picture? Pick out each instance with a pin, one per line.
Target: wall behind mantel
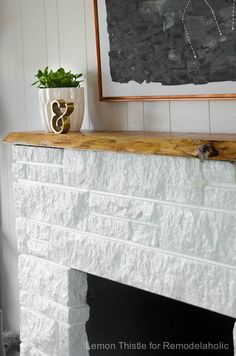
(36, 33)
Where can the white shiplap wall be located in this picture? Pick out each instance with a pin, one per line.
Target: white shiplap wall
(36, 33)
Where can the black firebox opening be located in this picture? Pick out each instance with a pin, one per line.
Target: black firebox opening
(130, 322)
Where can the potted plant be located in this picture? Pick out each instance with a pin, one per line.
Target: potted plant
(63, 87)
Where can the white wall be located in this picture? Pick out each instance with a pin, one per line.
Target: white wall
(36, 33)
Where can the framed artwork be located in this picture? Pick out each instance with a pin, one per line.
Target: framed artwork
(166, 49)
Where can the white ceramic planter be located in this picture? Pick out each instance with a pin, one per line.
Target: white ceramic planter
(75, 95)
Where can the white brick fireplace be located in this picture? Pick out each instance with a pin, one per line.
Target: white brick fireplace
(162, 224)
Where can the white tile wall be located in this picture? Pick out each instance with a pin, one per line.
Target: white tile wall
(135, 113)
(189, 116)
(223, 116)
(157, 116)
(36, 33)
(55, 32)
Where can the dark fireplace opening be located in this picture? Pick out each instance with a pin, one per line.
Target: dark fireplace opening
(129, 322)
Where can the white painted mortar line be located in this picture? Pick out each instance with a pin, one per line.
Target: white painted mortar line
(98, 192)
(164, 202)
(222, 185)
(166, 252)
(106, 216)
(49, 165)
(52, 185)
(51, 319)
(39, 241)
(60, 306)
(66, 268)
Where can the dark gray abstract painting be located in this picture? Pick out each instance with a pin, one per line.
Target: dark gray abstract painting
(172, 42)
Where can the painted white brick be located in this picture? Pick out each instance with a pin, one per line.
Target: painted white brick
(186, 194)
(39, 332)
(27, 230)
(59, 251)
(57, 283)
(108, 227)
(37, 154)
(72, 340)
(179, 171)
(123, 230)
(28, 351)
(137, 175)
(192, 281)
(54, 310)
(196, 232)
(219, 172)
(44, 174)
(78, 164)
(19, 171)
(37, 231)
(38, 248)
(57, 295)
(143, 234)
(122, 207)
(51, 204)
(220, 197)
(190, 231)
(193, 232)
(22, 237)
(38, 173)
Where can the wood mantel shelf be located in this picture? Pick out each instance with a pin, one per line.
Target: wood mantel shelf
(207, 146)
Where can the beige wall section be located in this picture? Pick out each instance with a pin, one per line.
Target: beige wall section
(36, 33)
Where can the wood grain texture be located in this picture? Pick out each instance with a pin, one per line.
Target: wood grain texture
(181, 145)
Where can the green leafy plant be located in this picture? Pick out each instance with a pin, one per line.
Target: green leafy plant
(57, 79)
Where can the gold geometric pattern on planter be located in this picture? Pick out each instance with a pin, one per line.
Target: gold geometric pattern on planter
(60, 121)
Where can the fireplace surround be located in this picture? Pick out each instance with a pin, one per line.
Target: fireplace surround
(161, 223)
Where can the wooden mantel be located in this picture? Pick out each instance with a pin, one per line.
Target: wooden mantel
(208, 146)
